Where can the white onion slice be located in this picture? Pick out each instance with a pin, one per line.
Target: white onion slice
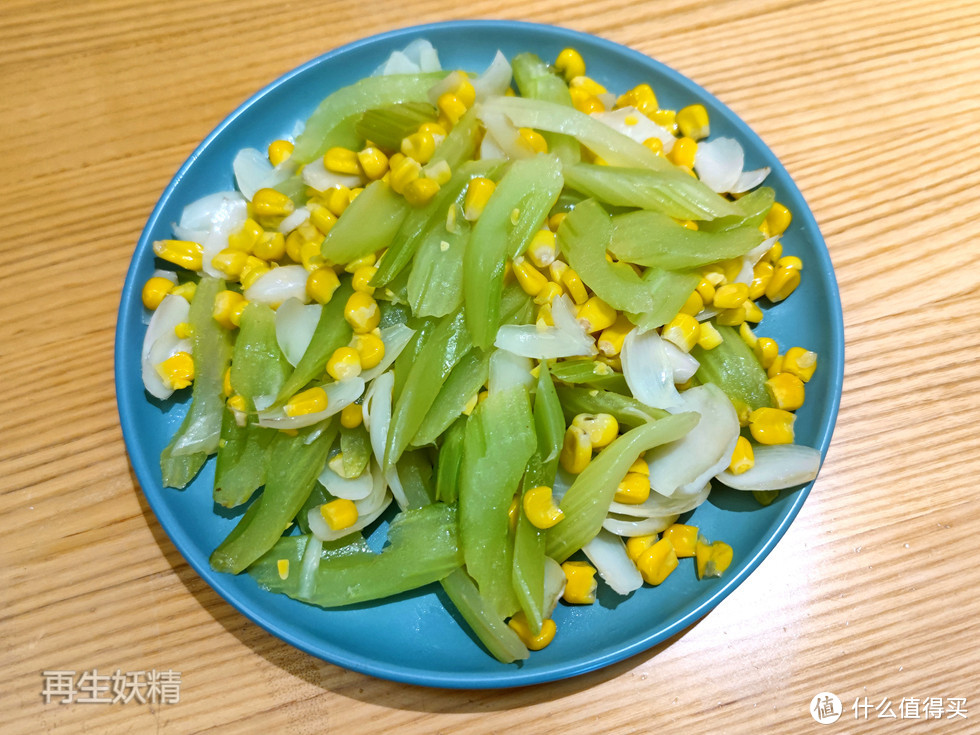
(397, 63)
(395, 338)
(351, 488)
(776, 467)
(629, 527)
(161, 342)
(377, 417)
(747, 272)
(682, 363)
(661, 505)
(489, 150)
(227, 218)
(506, 136)
(495, 79)
(701, 453)
(323, 532)
(339, 394)
(750, 179)
(649, 371)
(508, 370)
(642, 128)
(295, 324)
(718, 163)
(200, 214)
(554, 586)
(252, 169)
(567, 338)
(317, 176)
(294, 220)
(279, 284)
(607, 553)
(448, 83)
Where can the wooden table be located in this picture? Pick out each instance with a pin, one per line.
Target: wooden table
(873, 107)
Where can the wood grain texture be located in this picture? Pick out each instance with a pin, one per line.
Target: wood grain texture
(874, 109)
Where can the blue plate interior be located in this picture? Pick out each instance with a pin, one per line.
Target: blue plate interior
(415, 638)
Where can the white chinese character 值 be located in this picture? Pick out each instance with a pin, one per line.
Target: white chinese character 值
(909, 708)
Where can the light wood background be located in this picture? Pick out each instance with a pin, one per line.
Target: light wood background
(875, 109)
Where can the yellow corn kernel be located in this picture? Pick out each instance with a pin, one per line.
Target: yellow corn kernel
(345, 362)
(657, 562)
(683, 538)
(683, 151)
(183, 330)
(270, 246)
(542, 250)
(228, 308)
(534, 642)
(750, 311)
(557, 269)
(570, 64)
(580, 583)
(766, 350)
(693, 122)
(226, 389)
(772, 425)
(528, 277)
(776, 367)
(709, 337)
(361, 312)
(778, 219)
(731, 317)
(610, 342)
(236, 404)
(800, 362)
(761, 276)
(712, 559)
(373, 162)
(271, 203)
(667, 119)
(790, 261)
(730, 269)
(370, 349)
(186, 291)
(294, 242)
(544, 317)
(637, 546)
(555, 220)
(683, 330)
(602, 428)
(633, 488)
(640, 466)
(786, 390)
(323, 219)
(596, 314)
(177, 370)
(572, 283)
(586, 103)
(693, 305)
(279, 151)
(576, 450)
(246, 237)
(731, 295)
(184, 253)
(451, 107)
(440, 172)
(589, 84)
(337, 199)
(774, 253)
(642, 98)
(742, 458)
(478, 193)
(361, 280)
(321, 284)
(706, 290)
(747, 335)
(365, 261)
(154, 291)
(282, 567)
(419, 146)
(339, 514)
(539, 507)
(534, 139)
(654, 144)
(309, 401)
(230, 262)
(341, 161)
(420, 192)
(784, 282)
(311, 255)
(351, 416)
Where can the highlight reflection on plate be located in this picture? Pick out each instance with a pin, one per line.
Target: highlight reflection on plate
(415, 638)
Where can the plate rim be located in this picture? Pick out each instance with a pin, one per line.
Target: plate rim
(510, 677)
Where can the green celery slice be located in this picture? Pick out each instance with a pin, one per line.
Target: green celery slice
(734, 368)
(499, 441)
(356, 446)
(369, 224)
(671, 290)
(265, 570)
(293, 468)
(240, 466)
(586, 502)
(654, 239)
(500, 640)
(435, 283)
(589, 372)
(200, 430)
(625, 409)
(671, 192)
(332, 123)
(516, 210)
(449, 461)
(258, 367)
(464, 381)
(386, 126)
(753, 208)
(536, 80)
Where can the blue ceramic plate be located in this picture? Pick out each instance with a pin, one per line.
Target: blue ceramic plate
(415, 638)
